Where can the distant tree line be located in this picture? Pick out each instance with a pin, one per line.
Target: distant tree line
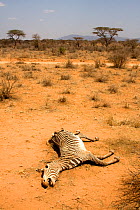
(105, 42)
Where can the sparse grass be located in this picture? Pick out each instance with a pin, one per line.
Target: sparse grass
(95, 97)
(101, 78)
(67, 91)
(69, 65)
(136, 66)
(98, 63)
(46, 82)
(88, 68)
(28, 75)
(101, 104)
(106, 104)
(132, 123)
(130, 192)
(129, 79)
(62, 99)
(88, 71)
(113, 89)
(87, 74)
(65, 77)
(29, 67)
(124, 144)
(26, 67)
(126, 106)
(57, 66)
(110, 121)
(19, 62)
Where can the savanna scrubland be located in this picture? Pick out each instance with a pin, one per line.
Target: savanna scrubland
(53, 84)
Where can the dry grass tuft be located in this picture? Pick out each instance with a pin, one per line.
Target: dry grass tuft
(101, 78)
(113, 89)
(46, 82)
(102, 104)
(135, 123)
(130, 192)
(67, 91)
(65, 77)
(69, 65)
(95, 97)
(62, 99)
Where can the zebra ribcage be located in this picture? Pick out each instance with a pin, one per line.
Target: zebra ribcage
(70, 144)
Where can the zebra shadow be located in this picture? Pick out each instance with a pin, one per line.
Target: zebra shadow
(55, 147)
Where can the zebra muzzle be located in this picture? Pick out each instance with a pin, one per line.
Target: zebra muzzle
(48, 182)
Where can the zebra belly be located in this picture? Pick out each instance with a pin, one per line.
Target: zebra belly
(81, 145)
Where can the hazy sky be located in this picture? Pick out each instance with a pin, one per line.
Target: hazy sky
(57, 18)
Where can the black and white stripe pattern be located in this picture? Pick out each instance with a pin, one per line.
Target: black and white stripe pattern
(72, 153)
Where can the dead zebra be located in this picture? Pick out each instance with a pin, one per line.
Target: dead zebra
(72, 152)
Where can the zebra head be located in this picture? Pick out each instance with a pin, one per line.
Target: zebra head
(48, 177)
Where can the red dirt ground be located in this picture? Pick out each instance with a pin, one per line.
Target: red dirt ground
(34, 113)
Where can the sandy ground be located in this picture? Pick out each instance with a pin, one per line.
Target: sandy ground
(29, 118)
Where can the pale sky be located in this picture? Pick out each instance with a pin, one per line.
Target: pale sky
(57, 18)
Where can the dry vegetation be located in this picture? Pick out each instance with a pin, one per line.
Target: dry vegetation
(42, 91)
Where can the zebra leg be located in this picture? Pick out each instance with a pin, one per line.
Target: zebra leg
(78, 133)
(99, 162)
(111, 152)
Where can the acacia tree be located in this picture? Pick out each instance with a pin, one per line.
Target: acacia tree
(15, 35)
(106, 34)
(78, 39)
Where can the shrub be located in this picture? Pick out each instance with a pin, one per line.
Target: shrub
(65, 77)
(130, 191)
(7, 84)
(69, 64)
(62, 50)
(119, 59)
(97, 63)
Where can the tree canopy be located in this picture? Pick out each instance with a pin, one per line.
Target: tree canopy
(106, 34)
(15, 35)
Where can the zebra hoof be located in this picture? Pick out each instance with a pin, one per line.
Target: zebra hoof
(96, 138)
(111, 151)
(117, 158)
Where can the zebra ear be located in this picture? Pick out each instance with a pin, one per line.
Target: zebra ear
(40, 170)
